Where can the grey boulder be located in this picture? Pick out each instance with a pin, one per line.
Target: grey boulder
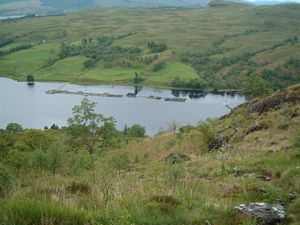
(265, 213)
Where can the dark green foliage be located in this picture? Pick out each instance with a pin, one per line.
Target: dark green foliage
(19, 48)
(54, 127)
(157, 47)
(221, 40)
(15, 49)
(137, 78)
(283, 76)
(13, 127)
(149, 59)
(100, 49)
(5, 41)
(30, 78)
(6, 180)
(158, 66)
(255, 86)
(284, 126)
(136, 131)
(6, 144)
(196, 84)
(89, 63)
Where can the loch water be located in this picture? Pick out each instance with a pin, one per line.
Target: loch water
(31, 107)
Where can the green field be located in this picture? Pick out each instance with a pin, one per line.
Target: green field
(241, 29)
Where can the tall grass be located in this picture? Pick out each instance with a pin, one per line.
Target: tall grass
(30, 211)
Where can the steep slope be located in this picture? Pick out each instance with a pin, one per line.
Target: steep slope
(141, 182)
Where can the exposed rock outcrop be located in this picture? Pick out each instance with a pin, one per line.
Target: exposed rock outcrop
(265, 213)
(256, 127)
(217, 143)
(274, 101)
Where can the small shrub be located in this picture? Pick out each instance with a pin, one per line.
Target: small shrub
(207, 133)
(79, 162)
(78, 187)
(6, 180)
(120, 161)
(146, 155)
(164, 204)
(168, 199)
(39, 159)
(136, 131)
(174, 173)
(112, 216)
(170, 144)
(283, 126)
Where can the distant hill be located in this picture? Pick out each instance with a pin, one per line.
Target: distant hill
(216, 47)
(12, 7)
(21, 7)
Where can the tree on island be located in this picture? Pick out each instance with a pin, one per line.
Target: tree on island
(30, 79)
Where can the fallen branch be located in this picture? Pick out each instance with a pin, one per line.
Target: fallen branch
(227, 128)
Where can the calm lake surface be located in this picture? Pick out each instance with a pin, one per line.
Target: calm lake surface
(33, 108)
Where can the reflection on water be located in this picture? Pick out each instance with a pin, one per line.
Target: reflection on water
(33, 108)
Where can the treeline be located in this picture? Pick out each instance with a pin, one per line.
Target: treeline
(5, 41)
(228, 61)
(148, 59)
(157, 47)
(15, 49)
(100, 49)
(196, 84)
(202, 63)
(198, 59)
(224, 38)
(282, 76)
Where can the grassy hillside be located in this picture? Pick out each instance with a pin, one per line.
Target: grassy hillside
(219, 46)
(48, 177)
